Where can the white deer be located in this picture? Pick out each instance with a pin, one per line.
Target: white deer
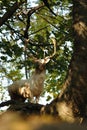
(33, 87)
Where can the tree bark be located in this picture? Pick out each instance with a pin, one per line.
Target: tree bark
(71, 104)
(76, 83)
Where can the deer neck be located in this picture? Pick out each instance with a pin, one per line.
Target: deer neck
(38, 71)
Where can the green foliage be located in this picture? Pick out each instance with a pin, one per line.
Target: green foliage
(43, 24)
(14, 75)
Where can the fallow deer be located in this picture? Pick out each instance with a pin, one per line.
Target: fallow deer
(33, 87)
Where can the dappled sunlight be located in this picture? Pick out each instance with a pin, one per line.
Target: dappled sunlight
(81, 28)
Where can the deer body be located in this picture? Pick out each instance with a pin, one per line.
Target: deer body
(33, 87)
(37, 83)
(19, 90)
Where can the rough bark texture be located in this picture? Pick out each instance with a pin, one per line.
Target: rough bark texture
(76, 83)
(72, 101)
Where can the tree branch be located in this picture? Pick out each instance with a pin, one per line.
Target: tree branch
(10, 12)
(9, 102)
(39, 30)
(48, 21)
(48, 6)
(30, 12)
(26, 108)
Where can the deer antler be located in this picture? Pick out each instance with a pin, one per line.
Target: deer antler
(54, 52)
(54, 42)
(47, 58)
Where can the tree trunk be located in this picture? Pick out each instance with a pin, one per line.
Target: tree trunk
(76, 83)
(72, 101)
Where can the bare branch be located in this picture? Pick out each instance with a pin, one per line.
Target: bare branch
(38, 30)
(14, 31)
(7, 103)
(30, 12)
(48, 6)
(48, 21)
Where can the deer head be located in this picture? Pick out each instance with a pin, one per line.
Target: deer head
(42, 62)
